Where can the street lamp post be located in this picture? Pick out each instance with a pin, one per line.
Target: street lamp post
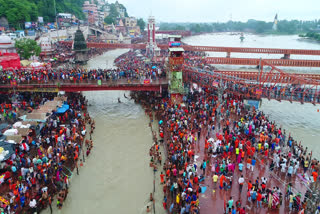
(55, 13)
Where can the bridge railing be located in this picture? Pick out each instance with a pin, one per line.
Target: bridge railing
(252, 89)
(56, 82)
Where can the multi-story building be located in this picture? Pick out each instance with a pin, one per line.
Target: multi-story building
(92, 12)
(130, 22)
(101, 17)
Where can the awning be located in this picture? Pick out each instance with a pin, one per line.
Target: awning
(3, 126)
(25, 62)
(176, 49)
(62, 109)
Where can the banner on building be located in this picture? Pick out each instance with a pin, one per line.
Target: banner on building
(176, 82)
(146, 81)
(252, 103)
(40, 19)
(258, 91)
(52, 90)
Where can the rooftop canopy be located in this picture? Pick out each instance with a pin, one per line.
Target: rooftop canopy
(174, 36)
(176, 49)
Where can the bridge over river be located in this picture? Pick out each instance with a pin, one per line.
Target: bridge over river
(244, 84)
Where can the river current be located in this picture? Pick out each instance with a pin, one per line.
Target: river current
(116, 177)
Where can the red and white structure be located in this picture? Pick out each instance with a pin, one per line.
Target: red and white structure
(8, 56)
(152, 48)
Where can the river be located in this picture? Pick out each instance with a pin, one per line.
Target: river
(302, 121)
(116, 177)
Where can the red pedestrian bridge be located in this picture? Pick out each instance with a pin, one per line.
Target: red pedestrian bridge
(70, 86)
(228, 50)
(285, 61)
(274, 84)
(255, 62)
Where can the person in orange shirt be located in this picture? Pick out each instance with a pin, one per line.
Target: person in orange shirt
(261, 138)
(222, 179)
(315, 175)
(162, 178)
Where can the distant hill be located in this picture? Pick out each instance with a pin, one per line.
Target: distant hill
(19, 11)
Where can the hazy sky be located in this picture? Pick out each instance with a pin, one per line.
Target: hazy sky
(222, 10)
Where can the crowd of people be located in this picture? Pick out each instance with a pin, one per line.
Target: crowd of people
(42, 163)
(202, 137)
(236, 149)
(130, 67)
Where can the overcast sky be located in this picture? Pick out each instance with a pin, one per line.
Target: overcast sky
(222, 10)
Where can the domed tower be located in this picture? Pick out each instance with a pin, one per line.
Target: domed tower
(6, 44)
(80, 47)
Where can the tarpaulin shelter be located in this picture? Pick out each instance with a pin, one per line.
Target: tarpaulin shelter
(15, 138)
(10, 132)
(39, 117)
(6, 150)
(23, 131)
(3, 126)
(62, 109)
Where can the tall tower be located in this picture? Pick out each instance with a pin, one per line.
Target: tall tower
(275, 23)
(152, 48)
(176, 60)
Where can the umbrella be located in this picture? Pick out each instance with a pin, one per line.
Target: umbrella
(160, 122)
(154, 67)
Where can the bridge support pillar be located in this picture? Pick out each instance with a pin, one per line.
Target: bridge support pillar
(286, 56)
(228, 54)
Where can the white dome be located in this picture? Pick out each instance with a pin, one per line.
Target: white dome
(5, 39)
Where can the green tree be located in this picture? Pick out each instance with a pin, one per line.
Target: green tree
(125, 10)
(180, 27)
(141, 24)
(109, 20)
(113, 11)
(19, 11)
(27, 48)
(195, 28)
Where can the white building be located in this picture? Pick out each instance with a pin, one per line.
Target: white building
(6, 44)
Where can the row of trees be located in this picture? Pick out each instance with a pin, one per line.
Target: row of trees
(284, 26)
(19, 11)
(312, 35)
